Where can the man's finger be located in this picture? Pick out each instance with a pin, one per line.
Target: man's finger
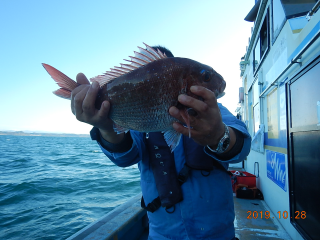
(78, 101)
(88, 104)
(82, 79)
(185, 131)
(74, 93)
(175, 112)
(191, 102)
(104, 110)
(208, 96)
(77, 90)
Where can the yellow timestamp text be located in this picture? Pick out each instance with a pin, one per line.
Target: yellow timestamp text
(284, 214)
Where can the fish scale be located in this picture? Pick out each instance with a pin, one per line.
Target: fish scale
(141, 94)
(148, 101)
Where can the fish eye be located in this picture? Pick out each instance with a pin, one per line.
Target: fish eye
(206, 75)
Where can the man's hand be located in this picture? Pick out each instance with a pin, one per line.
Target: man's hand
(83, 107)
(207, 125)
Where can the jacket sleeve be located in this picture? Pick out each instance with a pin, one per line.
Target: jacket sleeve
(127, 158)
(231, 121)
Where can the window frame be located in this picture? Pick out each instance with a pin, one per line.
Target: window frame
(275, 36)
(258, 40)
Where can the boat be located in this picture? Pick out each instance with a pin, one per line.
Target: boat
(279, 101)
(127, 221)
(130, 222)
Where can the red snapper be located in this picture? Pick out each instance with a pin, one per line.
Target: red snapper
(141, 93)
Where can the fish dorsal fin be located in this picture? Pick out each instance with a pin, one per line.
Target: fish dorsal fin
(140, 59)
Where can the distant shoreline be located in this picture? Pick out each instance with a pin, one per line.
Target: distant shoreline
(35, 134)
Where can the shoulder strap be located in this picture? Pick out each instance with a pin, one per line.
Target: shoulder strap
(156, 203)
(162, 161)
(164, 170)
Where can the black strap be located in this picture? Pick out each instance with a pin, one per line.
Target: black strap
(182, 177)
(156, 203)
(162, 163)
(236, 149)
(152, 206)
(184, 174)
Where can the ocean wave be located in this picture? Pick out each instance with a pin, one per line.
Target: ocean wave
(51, 187)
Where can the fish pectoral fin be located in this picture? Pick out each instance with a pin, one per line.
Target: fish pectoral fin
(172, 138)
(118, 129)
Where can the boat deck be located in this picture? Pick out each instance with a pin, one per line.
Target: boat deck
(129, 221)
(256, 227)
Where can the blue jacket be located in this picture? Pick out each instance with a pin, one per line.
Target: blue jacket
(206, 211)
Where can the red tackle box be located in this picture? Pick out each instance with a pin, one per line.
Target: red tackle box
(245, 178)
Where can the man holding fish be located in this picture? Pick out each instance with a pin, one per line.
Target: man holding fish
(184, 180)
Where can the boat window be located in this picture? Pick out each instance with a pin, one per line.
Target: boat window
(272, 114)
(246, 99)
(256, 55)
(256, 114)
(250, 115)
(278, 19)
(256, 92)
(256, 105)
(262, 43)
(288, 9)
(297, 8)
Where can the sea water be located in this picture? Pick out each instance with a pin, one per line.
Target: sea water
(51, 187)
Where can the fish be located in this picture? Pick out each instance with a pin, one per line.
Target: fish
(141, 92)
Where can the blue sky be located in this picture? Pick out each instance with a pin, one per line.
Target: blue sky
(93, 36)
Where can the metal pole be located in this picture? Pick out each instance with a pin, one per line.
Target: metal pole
(313, 10)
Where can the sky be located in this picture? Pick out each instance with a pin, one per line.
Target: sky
(94, 36)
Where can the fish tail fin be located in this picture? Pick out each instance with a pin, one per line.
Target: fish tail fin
(66, 83)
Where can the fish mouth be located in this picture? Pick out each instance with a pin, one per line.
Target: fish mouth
(220, 95)
(222, 88)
